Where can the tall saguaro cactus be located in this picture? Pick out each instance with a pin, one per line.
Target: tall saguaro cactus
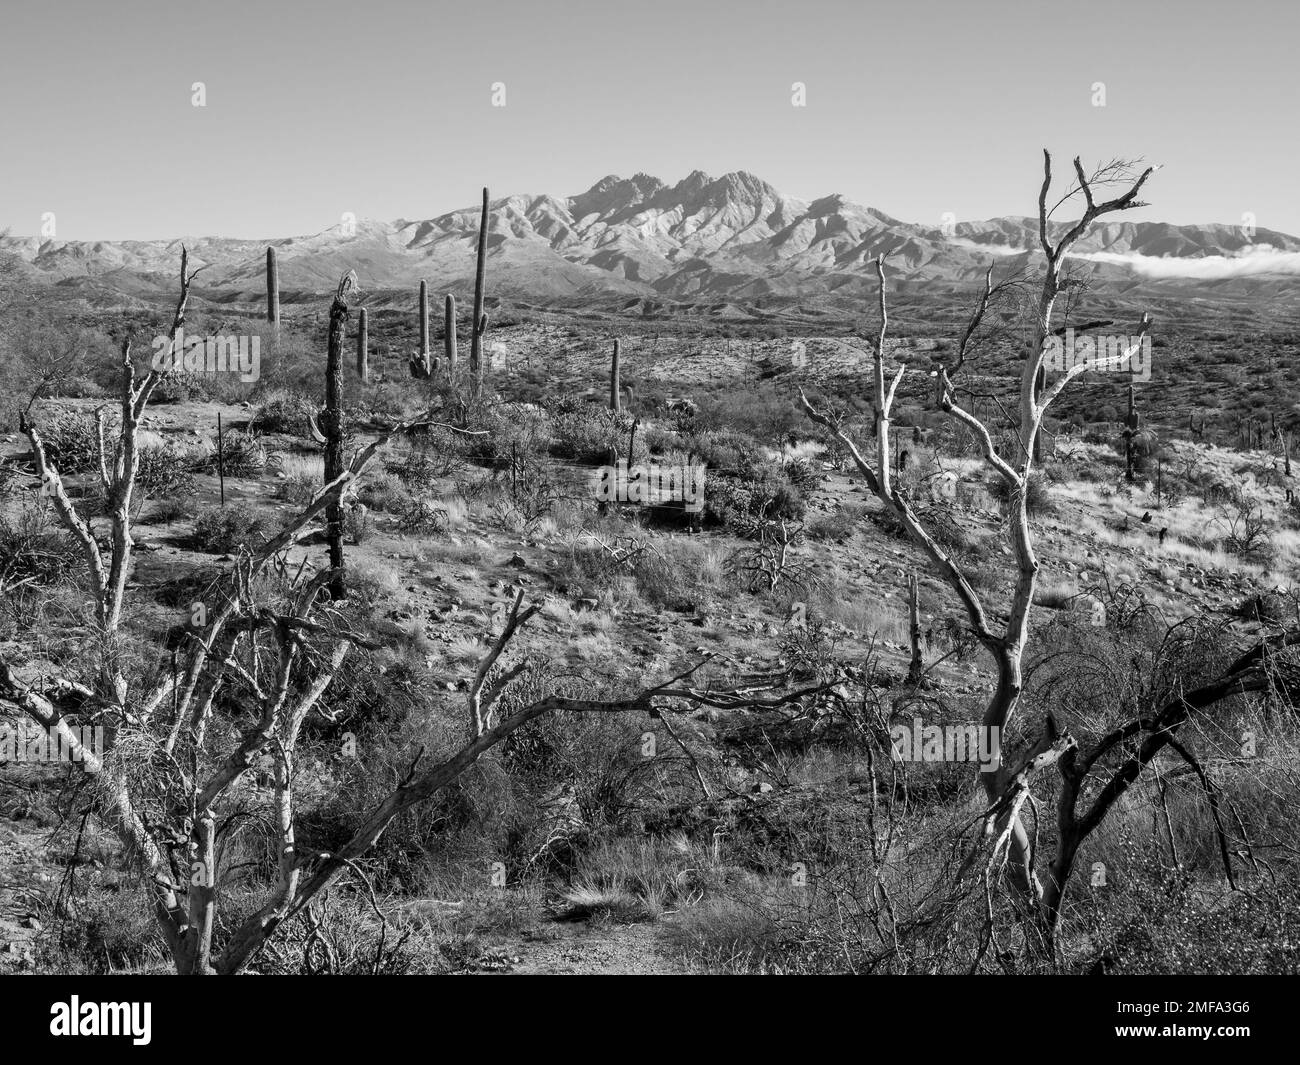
(449, 335)
(425, 356)
(480, 318)
(1130, 430)
(363, 348)
(331, 423)
(615, 401)
(272, 290)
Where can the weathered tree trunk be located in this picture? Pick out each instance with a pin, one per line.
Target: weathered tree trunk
(917, 667)
(615, 400)
(332, 426)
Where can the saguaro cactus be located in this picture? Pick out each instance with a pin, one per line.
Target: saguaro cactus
(331, 423)
(363, 349)
(615, 400)
(449, 335)
(1130, 431)
(425, 356)
(480, 319)
(916, 665)
(272, 290)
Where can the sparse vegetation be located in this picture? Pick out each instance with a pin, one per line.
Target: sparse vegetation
(533, 708)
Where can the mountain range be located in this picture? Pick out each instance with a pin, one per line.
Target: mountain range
(733, 238)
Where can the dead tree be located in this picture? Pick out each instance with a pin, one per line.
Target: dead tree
(768, 563)
(331, 421)
(916, 667)
(274, 661)
(1004, 641)
(1116, 761)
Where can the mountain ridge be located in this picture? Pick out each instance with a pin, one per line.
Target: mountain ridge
(732, 237)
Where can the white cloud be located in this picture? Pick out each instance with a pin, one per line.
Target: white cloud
(1256, 260)
(989, 249)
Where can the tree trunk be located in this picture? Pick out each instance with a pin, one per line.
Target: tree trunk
(917, 668)
(332, 426)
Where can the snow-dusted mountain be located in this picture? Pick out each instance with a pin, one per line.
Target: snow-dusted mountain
(734, 237)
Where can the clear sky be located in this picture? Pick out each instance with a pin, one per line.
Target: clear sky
(384, 107)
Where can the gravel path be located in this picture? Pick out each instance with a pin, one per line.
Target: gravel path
(582, 950)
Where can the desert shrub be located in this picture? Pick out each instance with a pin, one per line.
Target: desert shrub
(723, 451)
(379, 405)
(166, 470)
(384, 491)
(950, 533)
(525, 494)
(762, 412)
(586, 567)
(79, 387)
(168, 509)
(72, 441)
(1160, 921)
(176, 387)
(659, 441)
(587, 433)
(986, 576)
(220, 530)
(659, 579)
(764, 492)
(44, 357)
(282, 411)
(394, 719)
(802, 475)
(1246, 529)
(9, 477)
(303, 476)
(1038, 500)
(114, 929)
(183, 387)
(671, 578)
(514, 432)
(357, 524)
(34, 550)
(595, 758)
(299, 488)
(344, 939)
(838, 525)
(636, 879)
(421, 515)
(242, 454)
(435, 453)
